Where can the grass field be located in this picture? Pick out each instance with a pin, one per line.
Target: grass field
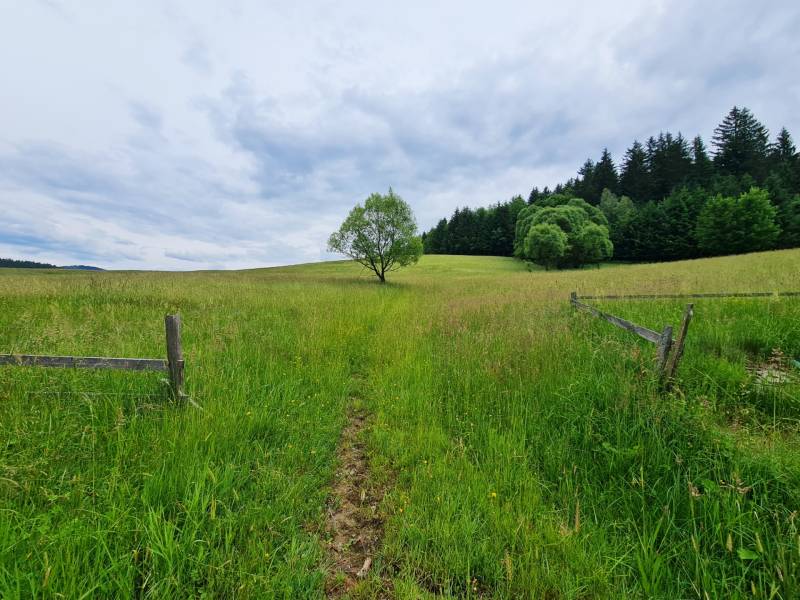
(525, 450)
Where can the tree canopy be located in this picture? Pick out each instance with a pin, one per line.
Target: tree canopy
(569, 233)
(728, 225)
(381, 235)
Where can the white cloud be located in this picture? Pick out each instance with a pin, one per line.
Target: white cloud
(201, 135)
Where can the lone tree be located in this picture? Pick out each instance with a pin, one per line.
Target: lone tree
(381, 235)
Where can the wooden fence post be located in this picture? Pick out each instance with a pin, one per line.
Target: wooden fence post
(172, 324)
(677, 353)
(662, 350)
(573, 298)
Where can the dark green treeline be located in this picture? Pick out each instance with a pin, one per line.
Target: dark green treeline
(669, 198)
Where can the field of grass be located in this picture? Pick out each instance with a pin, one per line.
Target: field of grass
(525, 450)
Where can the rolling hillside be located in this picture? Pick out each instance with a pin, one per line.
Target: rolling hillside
(505, 445)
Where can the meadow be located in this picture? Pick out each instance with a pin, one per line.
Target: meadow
(522, 450)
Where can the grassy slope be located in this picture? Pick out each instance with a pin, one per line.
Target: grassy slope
(526, 450)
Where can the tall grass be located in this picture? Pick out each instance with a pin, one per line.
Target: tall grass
(526, 449)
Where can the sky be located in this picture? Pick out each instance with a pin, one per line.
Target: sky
(225, 135)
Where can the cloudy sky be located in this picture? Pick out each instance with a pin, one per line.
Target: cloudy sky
(191, 135)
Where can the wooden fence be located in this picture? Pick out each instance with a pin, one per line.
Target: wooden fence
(699, 295)
(173, 365)
(668, 350)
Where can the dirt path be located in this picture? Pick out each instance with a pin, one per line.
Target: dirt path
(353, 523)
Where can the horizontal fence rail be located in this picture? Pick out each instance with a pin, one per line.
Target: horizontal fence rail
(668, 351)
(173, 365)
(698, 295)
(84, 362)
(642, 332)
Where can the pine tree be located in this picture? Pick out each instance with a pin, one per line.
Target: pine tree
(635, 181)
(741, 145)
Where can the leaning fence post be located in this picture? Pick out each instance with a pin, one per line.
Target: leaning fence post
(662, 350)
(172, 324)
(573, 298)
(677, 353)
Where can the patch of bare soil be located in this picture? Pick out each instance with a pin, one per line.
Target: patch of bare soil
(353, 523)
(776, 370)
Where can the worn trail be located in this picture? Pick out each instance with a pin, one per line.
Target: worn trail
(353, 524)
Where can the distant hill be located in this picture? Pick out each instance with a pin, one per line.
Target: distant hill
(82, 268)
(30, 264)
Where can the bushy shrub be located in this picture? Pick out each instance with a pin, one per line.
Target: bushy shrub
(572, 233)
(546, 244)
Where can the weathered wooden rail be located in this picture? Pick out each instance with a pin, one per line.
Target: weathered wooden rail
(698, 295)
(668, 351)
(173, 364)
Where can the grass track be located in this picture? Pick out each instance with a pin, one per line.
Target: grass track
(527, 452)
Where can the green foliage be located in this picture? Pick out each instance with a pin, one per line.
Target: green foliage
(736, 225)
(592, 245)
(648, 230)
(680, 211)
(594, 213)
(485, 231)
(546, 244)
(702, 166)
(381, 235)
(435, 241)
(584, 230)
(570, 219)
(789, 222)
(669, 164)
(523, 225)
(635, 181)
(741, 144)
(604, 177)
(620, 214)
(664, 184)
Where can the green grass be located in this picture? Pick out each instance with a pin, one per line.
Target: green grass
(525, 449)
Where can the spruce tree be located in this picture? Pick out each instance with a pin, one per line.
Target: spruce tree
(584, 185)
(681, 209)
(729, 225)
(534, 195)
(670, 163)
(702, 167)
(783, 150)
(647, 232)
(741, 145)
(789, 222)
(435, 241)
(605, 176)
(635, 180)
